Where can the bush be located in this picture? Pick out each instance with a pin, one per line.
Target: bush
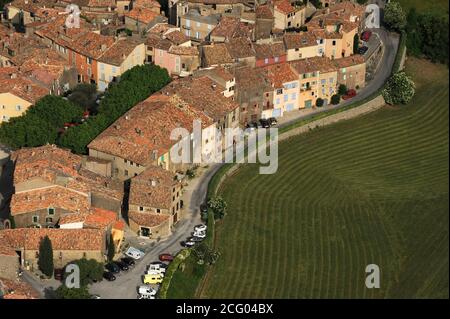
(394, 16)
(342, 89)
(173, 267)
(335, 99)
(399, 89)
(62, 292)
(319, 102)
(218, 207)
(90, 271)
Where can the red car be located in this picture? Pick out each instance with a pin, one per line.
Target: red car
(350, 93)
(165, 257)
(365, 36)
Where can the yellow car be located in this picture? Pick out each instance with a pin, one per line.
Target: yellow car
(153, 279)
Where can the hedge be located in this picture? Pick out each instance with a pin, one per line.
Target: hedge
(173, 267)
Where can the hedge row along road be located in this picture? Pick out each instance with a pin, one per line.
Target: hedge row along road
(363, 191)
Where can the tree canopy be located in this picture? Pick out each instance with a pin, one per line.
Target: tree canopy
(394, 16)
(45, 261)
(399, 89)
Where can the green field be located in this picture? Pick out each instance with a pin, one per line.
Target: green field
(435, 6)
(368, 190)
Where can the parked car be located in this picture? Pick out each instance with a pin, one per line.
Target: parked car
(350, 93)
(273, 121)
(161, 264)
(187, 243)
(123, 266)
(134, 253)
(165, 257)
(363, 50)
(195, 239)
(129, 261)
(58, 273)
(264, 123)
(95, 297)
(200, 227)
(365, 36)
(199, 234)
(146, 296)
(153, 279)
(146, 290)
(157, 268)
(109, 276)
(112, 267)
(204, 208)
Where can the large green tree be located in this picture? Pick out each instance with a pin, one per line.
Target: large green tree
(45, 261)
(218, 206)
(399, 89)
(62, 292)
(90, 271)
(394, 16)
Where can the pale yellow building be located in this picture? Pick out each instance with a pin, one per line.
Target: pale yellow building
(17, 94)
(120, 57)
(287, 15)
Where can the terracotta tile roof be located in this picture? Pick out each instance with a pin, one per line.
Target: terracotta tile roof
(142, 14)
(92, 44)
(315, 64)
(180, 50)
(131, 137)
(218, 73)
(299, 40)
(30, 5)
(56, 197)
(58, 167)
(62, 239)
(15, 289)
(153, 188)
(100, 3)
(146, 4)
(147, 219)
(230, 27)
(349, 61)
(216, 54)
(202, 94)
(96, 218)
(119, 51)
(285, 6)
(240, 48)
(251, 78)
(176, 37)
(23, 88)
(264, 12)
(161, 28)
(280, 74)
(269, 50)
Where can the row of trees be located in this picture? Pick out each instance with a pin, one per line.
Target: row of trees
(41, 122)
(135, 85)
(427, 33)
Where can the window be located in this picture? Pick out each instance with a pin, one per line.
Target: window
(125, 161)
(141, 208)
(158, 210)
(188, 23)
(49, 220)
(323, 81)
(286, 98)
(197, 35)
(331, 80)
(18, 107)
(88, 60)
(35, 219)
(293, 96)
(102, 66)
(345, 77)
(297, 49)
(266, 61)
(334, 42)
(276, 59)
(51, 211)
(312, 93)
(277, 101)
(279, 91)
(114, 70)
(126, 172)
(198, 24)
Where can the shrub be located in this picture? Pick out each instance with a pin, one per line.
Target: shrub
(335, 99)
(394, 16)
(45, 261)
(319, 102)
(342, 89)
(399, 89)
(218, 206)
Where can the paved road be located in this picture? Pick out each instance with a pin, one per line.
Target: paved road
(125, 286)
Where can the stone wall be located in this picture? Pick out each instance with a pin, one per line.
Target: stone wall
(9, 266)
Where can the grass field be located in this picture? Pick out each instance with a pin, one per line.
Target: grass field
(368, 190)
(435, 6)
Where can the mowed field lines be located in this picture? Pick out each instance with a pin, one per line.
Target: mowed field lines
(373, 190)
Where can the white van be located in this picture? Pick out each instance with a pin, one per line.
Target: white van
(156, 268)
(134, 253)
(146, 290)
